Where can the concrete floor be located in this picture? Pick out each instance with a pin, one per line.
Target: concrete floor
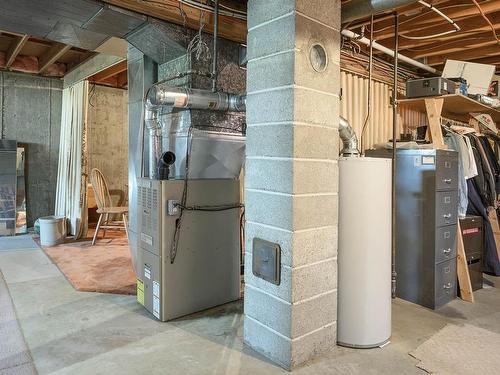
(71, 332)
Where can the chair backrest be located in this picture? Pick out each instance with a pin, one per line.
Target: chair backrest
(100, 187)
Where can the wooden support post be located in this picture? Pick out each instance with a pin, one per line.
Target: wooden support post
(462, 270)
(433, 107)
(475, 124)
(492, 215)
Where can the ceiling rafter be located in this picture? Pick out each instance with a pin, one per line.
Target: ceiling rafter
(457, 13)
(473, 26)
(466, 55)
(51, 56)
(15, 48)
(111, 71)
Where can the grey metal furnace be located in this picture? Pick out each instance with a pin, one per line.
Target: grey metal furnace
(193, 264)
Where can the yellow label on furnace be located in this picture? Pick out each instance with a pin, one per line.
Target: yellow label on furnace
(140, 291)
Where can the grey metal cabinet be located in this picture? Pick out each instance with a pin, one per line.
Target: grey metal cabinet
(8, 186)
(426, 227)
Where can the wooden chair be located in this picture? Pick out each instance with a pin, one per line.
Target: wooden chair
(104, 205)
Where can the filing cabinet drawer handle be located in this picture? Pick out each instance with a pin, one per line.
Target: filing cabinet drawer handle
(447, 180)
(447, 287)
(447, 216)
(447, 251)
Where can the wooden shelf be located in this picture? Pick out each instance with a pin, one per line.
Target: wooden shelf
(455, 107)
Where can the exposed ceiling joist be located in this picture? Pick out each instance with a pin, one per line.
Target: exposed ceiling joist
(473, 26)
(51, 56)
(455, 12)
(466, 55)
(15, 48)
(476, 41)
(182, 14)
(122, 79)
(111, 71)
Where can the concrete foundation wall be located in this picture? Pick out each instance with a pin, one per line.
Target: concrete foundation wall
(30, 112)
(108, 137)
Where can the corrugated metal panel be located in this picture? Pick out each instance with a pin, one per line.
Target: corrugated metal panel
(354, 103)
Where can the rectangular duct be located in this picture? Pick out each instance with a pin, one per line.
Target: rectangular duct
(114, 21)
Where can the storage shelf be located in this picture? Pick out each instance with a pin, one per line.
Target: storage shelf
(455, 107)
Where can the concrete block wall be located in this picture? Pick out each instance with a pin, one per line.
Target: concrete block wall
(30, 109)
(292, 177)
(108, 137)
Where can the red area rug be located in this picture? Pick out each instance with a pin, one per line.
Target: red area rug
(105, 267)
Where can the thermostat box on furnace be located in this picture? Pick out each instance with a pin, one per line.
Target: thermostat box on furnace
(435, 86)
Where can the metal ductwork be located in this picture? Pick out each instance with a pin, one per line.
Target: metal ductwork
(163, 96)
(349, 138)
(356, 9)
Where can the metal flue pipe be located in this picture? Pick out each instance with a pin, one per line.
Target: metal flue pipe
(356, 9)
(349, 138)
(163, 96)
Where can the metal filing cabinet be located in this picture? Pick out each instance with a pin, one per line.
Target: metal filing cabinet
(473, 236)
(426, 214)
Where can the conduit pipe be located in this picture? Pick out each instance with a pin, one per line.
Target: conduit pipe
(355, 9)
(456, 28)
(388, 51)
(349, 138)
(161, 95)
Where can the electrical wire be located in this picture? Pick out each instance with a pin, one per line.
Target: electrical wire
(210, 208)
(487, 20)
(436, 10)
(201, 6)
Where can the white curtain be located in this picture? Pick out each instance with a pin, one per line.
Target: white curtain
(71, 196)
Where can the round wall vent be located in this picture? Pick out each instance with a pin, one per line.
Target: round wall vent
(318, 57)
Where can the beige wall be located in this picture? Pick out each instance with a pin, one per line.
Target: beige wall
(354, 104)
(108, 135)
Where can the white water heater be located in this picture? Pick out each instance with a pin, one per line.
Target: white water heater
(364, 252)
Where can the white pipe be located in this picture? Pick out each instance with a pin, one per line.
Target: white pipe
(388, 51)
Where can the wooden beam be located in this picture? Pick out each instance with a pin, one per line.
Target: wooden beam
(463, 275)
(29, 64)
(458, 14)
(492, 215)
(470, 28)
(15, 47)
(51, 56)
(466, 55)
(170, 10)
(111, 71)
(122, 79)
(443, 49)
(434, 107)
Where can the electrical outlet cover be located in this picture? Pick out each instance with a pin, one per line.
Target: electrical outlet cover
(266, 260)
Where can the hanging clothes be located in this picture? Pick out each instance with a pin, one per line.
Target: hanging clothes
(454, 142)
(471, 169)
(484, 181)
(493, 162)
(491, 263)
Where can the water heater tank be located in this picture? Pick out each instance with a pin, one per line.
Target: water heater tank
(364, 254)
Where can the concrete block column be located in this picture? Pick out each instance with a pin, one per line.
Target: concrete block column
(291, 183)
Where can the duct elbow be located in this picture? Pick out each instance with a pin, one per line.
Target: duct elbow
(349, 138)
(151, 119)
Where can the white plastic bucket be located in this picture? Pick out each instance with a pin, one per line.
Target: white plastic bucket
(52, 230)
